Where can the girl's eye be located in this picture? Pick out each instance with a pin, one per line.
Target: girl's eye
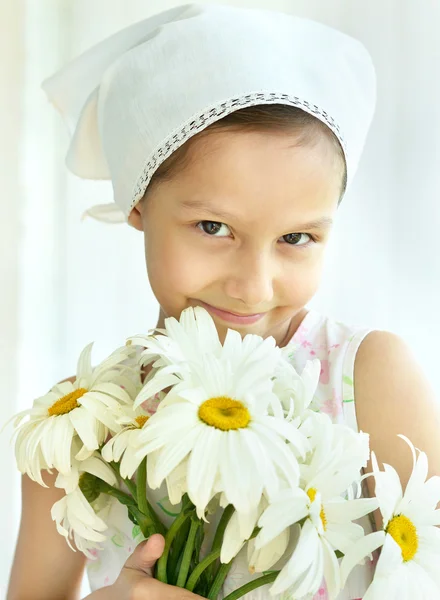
(214, 228)
(293, 239)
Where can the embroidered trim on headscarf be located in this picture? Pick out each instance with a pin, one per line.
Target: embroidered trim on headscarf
(209, 116)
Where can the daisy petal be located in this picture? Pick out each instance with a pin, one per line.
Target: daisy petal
(359, 551)
(84, 424)
(201, 467)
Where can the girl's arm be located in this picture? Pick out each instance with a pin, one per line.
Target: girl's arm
(393, 396)
(44, 567)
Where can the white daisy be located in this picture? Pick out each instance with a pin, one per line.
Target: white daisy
(295, 391)
(185, 345)
(217, 415)
(85, 408)
(75, 514)
(123, 445)
(408, 565)
(239, 529)
(170, 349)
(328, 515)
(76, 520)
(263, 559)
(93, 465)
(176, 481)
(338, 452)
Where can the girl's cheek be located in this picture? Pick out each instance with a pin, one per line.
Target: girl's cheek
(298, 284)
(181, 268)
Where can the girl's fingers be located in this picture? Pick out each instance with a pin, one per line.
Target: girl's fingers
(146, 554)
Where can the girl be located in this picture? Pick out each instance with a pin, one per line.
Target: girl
(230, 137)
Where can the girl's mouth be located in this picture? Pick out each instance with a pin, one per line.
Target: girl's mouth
(230, 317)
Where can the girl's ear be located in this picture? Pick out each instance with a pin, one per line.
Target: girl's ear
(135, 219)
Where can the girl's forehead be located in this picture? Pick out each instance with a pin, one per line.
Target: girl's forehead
(242, 174)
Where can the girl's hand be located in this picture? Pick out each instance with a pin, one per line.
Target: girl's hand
(136, 582)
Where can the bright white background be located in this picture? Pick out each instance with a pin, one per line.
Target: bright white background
(64, 283)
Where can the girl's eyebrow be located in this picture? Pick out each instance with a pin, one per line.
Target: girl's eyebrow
(323, 223)
(203, 205)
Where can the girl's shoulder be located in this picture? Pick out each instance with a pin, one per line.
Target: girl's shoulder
(371, 380)
(394, 397)
(391, 384)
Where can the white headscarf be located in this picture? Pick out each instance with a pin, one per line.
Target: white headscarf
(136, 97)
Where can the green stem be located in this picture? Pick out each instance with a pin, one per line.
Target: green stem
(141, 479)
(147, 527)
(161, 565)
(142, 500)
(115, 467)
(219, 580)
(252, 585)
(130, 484)
(144, 521)
(123, 498)
(224, 520)
(173, 565)
(225, 567)
(173, 571)
(195, 575)
(188, 552)
(218, 537)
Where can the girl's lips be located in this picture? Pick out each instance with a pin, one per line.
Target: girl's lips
(232, 317)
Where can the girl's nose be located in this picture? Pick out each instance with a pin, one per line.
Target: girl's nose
(251, 282)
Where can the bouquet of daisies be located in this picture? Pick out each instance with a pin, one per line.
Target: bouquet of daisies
(237, 431)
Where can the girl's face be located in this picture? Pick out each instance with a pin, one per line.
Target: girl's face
(241, 230)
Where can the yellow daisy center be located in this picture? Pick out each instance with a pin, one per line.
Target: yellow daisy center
(141, 420)
(224, 413)
(311, 493)
(404, 533)
(67, 403)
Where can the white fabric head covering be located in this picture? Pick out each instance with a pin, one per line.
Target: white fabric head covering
(139, 95)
